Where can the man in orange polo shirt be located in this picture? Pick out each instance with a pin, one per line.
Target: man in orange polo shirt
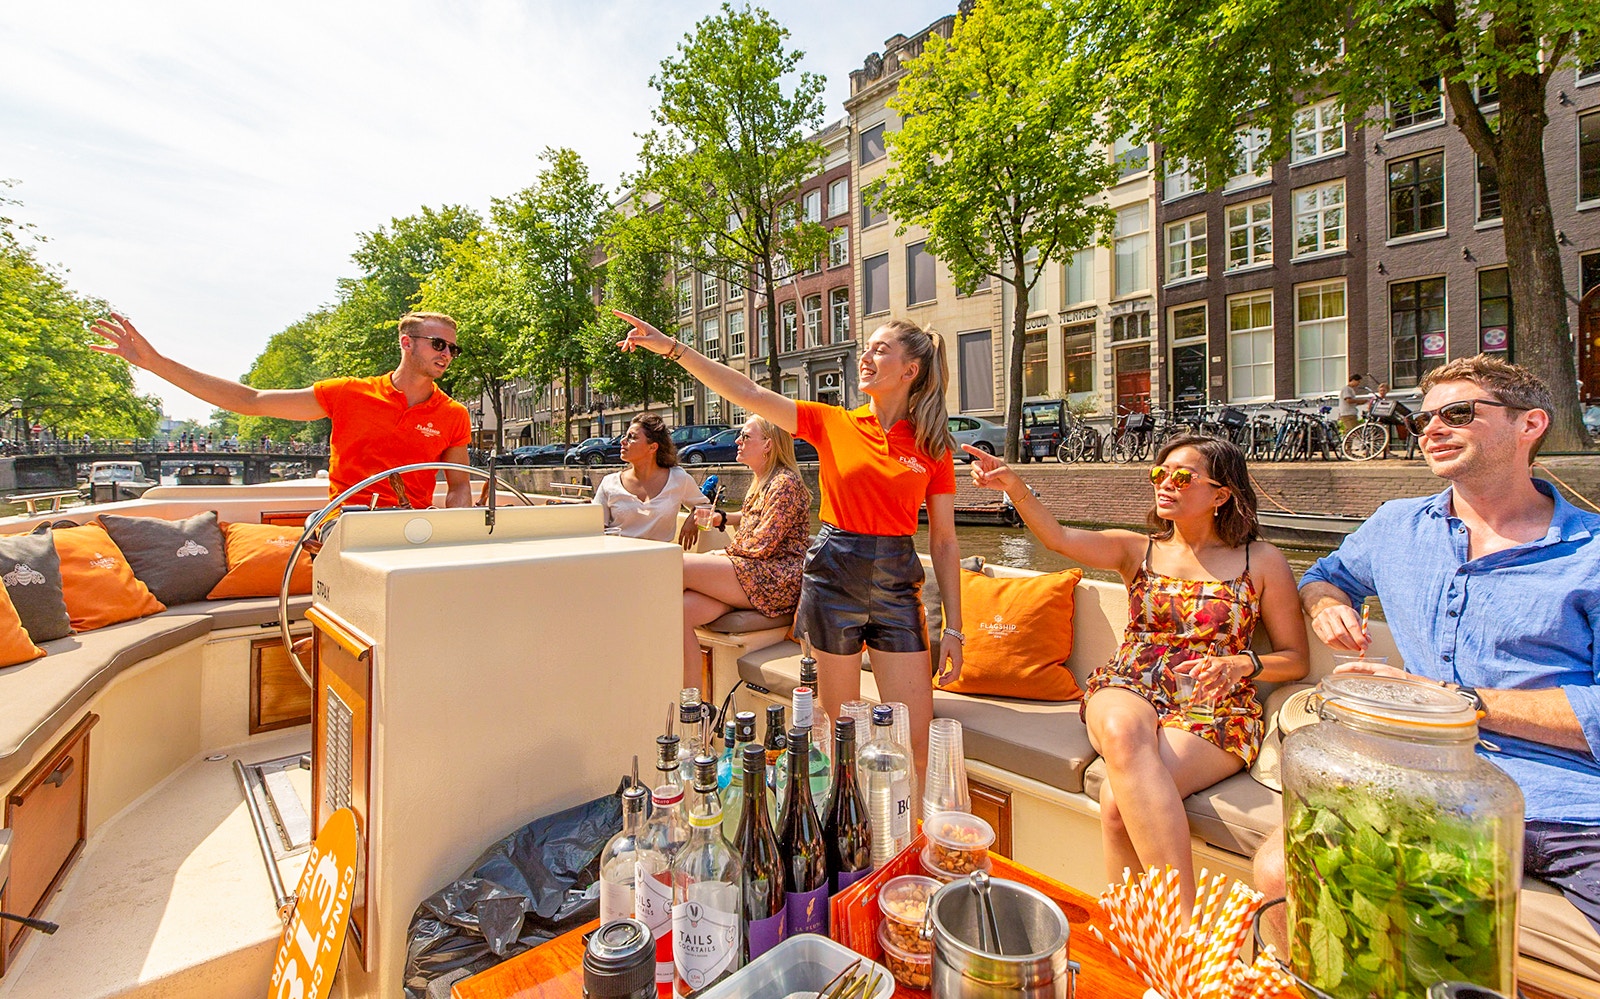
(399, 418)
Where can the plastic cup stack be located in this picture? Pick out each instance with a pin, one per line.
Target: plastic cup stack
(902, 736)
(861, 711)
(945, 789)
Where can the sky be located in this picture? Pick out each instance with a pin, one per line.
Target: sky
(206, 167)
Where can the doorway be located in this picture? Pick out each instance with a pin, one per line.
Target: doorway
(1133, 378)
(1589, 346)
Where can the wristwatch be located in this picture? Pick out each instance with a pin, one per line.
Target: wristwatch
(1471, 694)
(1255, 664)
(722, 519)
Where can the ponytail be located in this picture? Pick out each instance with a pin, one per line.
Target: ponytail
(930, 420)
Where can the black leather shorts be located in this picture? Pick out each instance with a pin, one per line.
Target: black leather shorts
(862, 589)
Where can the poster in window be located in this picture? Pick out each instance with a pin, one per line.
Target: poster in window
(1433, 345)
(1494, 338)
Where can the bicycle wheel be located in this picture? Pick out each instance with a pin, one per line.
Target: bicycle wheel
(1365, 442)
(1068, 451)
(1124, 447)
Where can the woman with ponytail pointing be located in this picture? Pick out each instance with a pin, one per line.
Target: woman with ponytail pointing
(879, 464)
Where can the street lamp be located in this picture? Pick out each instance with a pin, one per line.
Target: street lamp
(18, 422)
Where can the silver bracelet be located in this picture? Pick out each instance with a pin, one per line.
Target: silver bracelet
(958, 636)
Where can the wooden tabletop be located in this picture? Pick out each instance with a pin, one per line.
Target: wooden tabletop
(555, 970)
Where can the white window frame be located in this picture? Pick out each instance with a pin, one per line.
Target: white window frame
(1136, 244)
(813, 320)
(1180, 178)
(685, 296)
(1332, 379)
(1252, 224)
(1415, 126)
(1078, 258)
(839, 314)
(1182, 267)
(788, 326)
(839, 197)
(736, 334)
(1124, 151)
(1255, 332)
(1323, 124)
(1254, 168)
(812, 202)
(710, 291)
(1478, 166)
(1577, 156)
(839, 246)
(763, 334)
(1320, 212)
(711, 338)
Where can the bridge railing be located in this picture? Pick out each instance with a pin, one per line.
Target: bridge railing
(159, 445)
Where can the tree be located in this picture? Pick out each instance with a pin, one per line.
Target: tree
(1190, 73)
(635, 281)
(550, 230)
(1000, 157)
(729, 154)
(290, 360)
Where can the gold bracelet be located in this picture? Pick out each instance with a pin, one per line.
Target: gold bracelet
(677, 351)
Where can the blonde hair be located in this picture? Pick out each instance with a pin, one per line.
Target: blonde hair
(782, 458)
(930, 420)
(411, 322)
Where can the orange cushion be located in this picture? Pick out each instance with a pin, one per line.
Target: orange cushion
(257, 556)
(15, 645)
(97, 583)
(1019, 635)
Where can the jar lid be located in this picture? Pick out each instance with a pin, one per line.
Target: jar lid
(1405, 703)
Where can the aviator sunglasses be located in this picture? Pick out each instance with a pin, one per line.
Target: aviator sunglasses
(1456, 414)
(1181, 477)
(440, 345)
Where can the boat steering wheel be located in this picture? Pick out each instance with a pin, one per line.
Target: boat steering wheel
(316, 520)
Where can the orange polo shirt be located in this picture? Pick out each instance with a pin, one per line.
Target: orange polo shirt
(374, 429)
(872, 482)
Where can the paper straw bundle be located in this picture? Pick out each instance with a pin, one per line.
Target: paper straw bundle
(1194, 958)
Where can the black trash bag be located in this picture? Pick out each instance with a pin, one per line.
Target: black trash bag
(532, 886)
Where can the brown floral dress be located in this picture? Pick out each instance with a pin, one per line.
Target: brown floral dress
(769, 545)
(1171, 621)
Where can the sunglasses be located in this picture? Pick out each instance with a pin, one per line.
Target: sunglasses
(440, 345)
(1181, 477)
(1456, 414)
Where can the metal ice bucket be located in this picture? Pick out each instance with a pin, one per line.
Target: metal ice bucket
(1033, 931)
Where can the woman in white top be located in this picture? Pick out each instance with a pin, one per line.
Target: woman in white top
(642, 500)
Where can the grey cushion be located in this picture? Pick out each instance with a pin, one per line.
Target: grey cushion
(1235, 814)
(245, 612)
(776, 669)
(737, 622)
(31, 571)
(1044, 740)
(179, 560)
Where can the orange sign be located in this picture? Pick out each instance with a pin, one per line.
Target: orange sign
(309, 952)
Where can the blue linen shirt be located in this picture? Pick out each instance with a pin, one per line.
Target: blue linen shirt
(1520, 619)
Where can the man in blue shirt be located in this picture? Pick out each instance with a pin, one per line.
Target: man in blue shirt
(1493, 587)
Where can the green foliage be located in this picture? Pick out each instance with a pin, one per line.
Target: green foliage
(636, 283)
(291, 360)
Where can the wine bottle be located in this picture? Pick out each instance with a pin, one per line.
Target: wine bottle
(776, 742)
(884, 771)
(821, 724)
(766, 918)
(706, 905)
(804, 705)
(805, 860)
(660, 839)
(690, 713)
(618, 858)
(846, 831)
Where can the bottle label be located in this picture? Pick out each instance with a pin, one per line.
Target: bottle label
(768, 933)
(616, 900)
(705, 942)
(900, 810)
(653, 903)
(847, 878)
(808, 911)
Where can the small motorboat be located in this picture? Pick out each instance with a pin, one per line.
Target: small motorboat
(114, 481)
(205, 475)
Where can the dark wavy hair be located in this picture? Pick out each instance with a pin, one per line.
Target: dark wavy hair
(655, 429)
(1236, 520)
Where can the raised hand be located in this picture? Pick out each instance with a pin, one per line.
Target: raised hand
(642, 335)
(989, 472)
(125, 341)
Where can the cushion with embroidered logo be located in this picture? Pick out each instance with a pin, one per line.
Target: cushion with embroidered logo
(15, 645)
(96, 580)
(1019, 635)
(180, 560)
(32, 576)
(257, 555)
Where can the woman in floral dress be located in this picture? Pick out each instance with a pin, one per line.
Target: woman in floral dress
(1198, 584)
(761, 568)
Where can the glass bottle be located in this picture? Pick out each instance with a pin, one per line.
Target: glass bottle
(733, 797)
(618, 858)
(776, 742)
(847, 832)
(805, 859)
(730, 735)
(821, 775)
(663, 834)
(821, 724)
(706, 907)
(885, 775)
(690, 714)
(766, 918)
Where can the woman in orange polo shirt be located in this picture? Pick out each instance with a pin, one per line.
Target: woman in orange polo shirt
(879, 464)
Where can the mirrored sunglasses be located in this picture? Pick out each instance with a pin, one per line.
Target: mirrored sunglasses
(1181, 477)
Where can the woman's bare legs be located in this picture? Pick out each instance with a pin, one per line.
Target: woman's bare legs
(901, 676)
(710, 590)
(1149, 771)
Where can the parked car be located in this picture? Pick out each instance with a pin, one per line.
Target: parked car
(985, 435)
(723, 449)
(694, 433)
(596, 451)
(572, 452)
(1044, 426)
(545, 454)
(519, 455)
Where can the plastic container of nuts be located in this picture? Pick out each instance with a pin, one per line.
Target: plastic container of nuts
(904, 901)
(914, 971)
(958, 844)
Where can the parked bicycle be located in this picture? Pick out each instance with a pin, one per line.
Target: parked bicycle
(1376, 435)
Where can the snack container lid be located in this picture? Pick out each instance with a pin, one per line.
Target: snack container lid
(958, 831)
(902, 889)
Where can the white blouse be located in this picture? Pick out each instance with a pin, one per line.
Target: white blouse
(656, 518)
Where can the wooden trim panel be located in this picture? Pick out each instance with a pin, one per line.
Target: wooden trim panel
(278, 697)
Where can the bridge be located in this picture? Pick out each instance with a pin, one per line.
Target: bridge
(58, 467)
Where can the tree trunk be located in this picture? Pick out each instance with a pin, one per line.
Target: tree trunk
(1019, 334)
(774, 329)
(566, 403)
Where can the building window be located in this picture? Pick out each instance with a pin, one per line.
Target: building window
(1494, 312)
(1130, 157)
(1130, 326)
(1250, 346)
(711, 339)
(839, 313)
(875, 285)
(787, 326)
(1077, 277)
(872, 143)
(791, 386)
(919, 274)
(1030, 277)
(685, 296)
(1182, 178)
(1035, 363)
(1253, 167)
(1131, 242)
(736, 334)
(710, 292)
(1589, 157)
(1318, 131)
(871, 214)
(812, 200)
(839, 197)
(1487, 94)
(1423, 106)
(1321, 321)
(1589, 73)
(1077, 343)
(976, 360)
(1250, 234)
(763, 334)
(1416, 330)
(1416, 194)
(1186, 249)
(713, 405)
(1488, 193)
(1319, 219)
(813, 307)
(839, 246)
(1189, 368)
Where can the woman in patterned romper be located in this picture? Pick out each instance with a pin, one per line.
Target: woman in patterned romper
(1197, 586)
(761, 568)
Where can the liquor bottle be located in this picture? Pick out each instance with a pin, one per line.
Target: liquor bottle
(821, 724)
(733, 798)
(884, 771)
(776, 742)
(805, 859)
(663, 834)
(706, 923)
(690, 713)
(846, 831)
(619, 856)
(821, 775)
(730, 736)
(766, 918)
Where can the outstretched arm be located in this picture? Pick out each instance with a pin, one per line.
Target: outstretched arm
(130, 345)
(721, 379)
